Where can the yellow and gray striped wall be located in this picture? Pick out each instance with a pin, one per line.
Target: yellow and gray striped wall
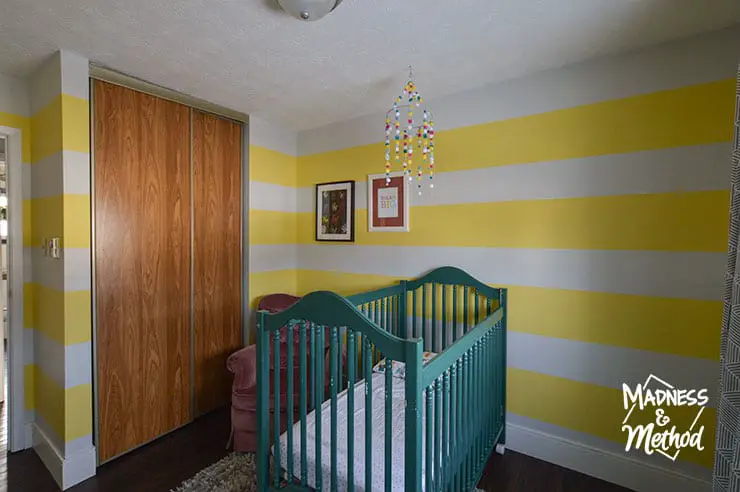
(273, 177)
(597, 193)
(61, 374)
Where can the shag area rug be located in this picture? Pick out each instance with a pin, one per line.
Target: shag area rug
(235, 473)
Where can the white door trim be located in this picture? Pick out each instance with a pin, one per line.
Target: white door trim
(17, 409)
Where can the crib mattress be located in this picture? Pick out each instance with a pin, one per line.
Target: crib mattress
(377, 435)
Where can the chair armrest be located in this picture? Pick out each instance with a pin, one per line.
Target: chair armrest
(243, 364)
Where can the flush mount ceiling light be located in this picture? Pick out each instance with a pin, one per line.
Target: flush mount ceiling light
(309, 10)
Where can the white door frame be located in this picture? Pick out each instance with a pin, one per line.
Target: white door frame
(18, 435)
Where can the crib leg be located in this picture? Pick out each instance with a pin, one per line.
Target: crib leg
(500, 448)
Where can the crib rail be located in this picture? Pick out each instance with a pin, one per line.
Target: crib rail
(463, 389)
(445, 305)
(315, 318)
(453, 406)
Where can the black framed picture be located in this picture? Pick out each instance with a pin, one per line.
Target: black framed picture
(335, 211)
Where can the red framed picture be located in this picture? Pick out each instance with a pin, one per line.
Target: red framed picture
(388, 203)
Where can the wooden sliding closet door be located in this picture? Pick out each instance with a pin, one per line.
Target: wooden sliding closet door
(217, 157)
(142, 260)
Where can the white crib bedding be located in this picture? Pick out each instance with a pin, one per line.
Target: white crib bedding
(377, 436)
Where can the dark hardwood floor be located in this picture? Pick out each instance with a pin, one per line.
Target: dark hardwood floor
(165, 463)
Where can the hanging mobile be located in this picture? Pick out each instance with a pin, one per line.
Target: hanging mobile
(422, 129)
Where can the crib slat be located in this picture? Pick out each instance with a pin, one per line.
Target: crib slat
(437, 434)
(454, 313)
(414, 314)
(454, 407)
(427, 345)
(466, 294)
(466, 377)
(476, 421)
(460, 428)
(303, 402)
(377, 319)
(444, 316)
(351, 369)
(319, 400)
(368, 417)
(445, 431)
(429, 444)
(403, 314)
(333, 343)
(491, 370)
(479, 378)
(388, 425)
(383, 314)
(289, 390)
(276, 403)
(433, 329)
(312, 365)
(477, 312)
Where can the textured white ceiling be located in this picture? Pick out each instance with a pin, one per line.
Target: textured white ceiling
(249, 56)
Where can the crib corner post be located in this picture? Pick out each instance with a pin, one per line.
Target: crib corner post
(503, 294)
(263, 404)
(402, 314)
(412, 444)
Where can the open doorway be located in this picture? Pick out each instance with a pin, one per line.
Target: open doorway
(15, 424)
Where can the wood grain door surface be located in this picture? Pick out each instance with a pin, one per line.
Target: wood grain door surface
(142, 260)
(217, 155)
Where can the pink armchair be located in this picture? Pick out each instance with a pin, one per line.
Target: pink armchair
(243, 364)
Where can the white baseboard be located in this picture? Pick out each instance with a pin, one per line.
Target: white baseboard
(69, 470)
(622, 470)
(28, 435)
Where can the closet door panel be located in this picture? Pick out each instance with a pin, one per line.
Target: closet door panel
(217, 155)
(142, 262)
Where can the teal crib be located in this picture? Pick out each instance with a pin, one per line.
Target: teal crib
(400, 388)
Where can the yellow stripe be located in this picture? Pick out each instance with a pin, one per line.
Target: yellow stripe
(63, 124)
(264, 283)
(669, 221)
(29, 378)
(47, 126)
(50, 401)
(271, 227)
(77, 317)
(271, 166)
(75, 123)
(49, 312)
(674, 326)
(277, 281)
(63, 316)
(68, 412)
(693, 115)
(29, 293)
(22, 123)
(65, 216)
(595, 410)
(78, 414)
(76, 221)
(47, 219)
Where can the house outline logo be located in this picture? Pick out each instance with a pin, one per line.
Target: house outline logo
(660, 436)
